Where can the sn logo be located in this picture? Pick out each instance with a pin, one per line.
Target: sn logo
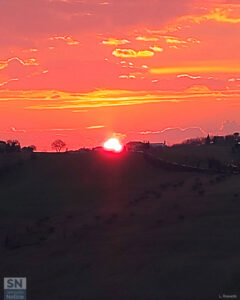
(15, 283)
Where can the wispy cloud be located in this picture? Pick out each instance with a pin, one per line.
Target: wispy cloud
(228, 13)
(95, 127)
(13, 129)
(67, 39)
(47, 100)
(188, 76)
(170, 40)
(207, 67)
(176, 41)
(233, 79)
(25, 62)
(130, 76)
(6, 82)
(174, 134)
(156, 48)
(147, 38)
(30, 50)
(130, 53)
(115, 42)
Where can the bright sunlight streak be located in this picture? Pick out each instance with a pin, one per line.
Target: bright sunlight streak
(113, 144)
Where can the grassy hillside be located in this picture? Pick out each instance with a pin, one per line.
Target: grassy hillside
(113, 226)
(199, 155)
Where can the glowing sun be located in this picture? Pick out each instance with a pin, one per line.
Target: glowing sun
(113, 144)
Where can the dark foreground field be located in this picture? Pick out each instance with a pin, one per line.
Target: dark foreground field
(103, 226)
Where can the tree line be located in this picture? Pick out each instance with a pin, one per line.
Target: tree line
(11, 146)
(231, 139)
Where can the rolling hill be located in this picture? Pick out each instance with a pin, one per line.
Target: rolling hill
(112, 226)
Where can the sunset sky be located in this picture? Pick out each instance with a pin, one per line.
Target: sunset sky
(87, 70)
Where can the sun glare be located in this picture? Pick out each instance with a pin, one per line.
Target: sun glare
(113, 144)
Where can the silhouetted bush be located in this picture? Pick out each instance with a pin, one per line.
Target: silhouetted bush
(29, 149)
(195, 141)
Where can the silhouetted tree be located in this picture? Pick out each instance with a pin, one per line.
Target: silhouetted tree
(13, 146)
(3, 146)
(208, 140)
(58, 145)
(236, 135)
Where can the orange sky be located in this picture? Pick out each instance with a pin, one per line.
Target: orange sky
(84, 71)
